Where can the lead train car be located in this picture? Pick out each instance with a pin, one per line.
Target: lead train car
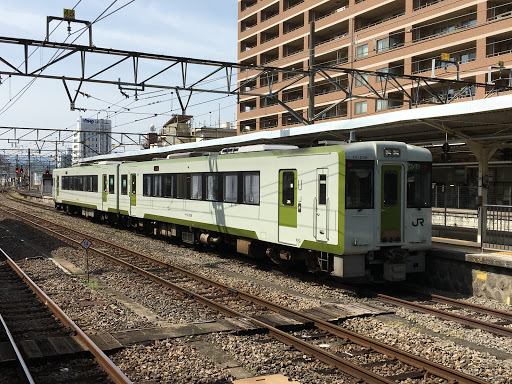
(352, 210)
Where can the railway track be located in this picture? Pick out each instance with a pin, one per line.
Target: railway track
(446, 314)
(30, 326)
(234, 303)
(451, 306)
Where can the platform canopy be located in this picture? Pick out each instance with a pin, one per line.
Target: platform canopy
(484, 123)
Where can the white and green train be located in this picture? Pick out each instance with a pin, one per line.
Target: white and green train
(352, 210)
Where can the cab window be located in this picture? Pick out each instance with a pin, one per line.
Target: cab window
(359, 184)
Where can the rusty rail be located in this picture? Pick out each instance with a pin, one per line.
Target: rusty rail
(112, 370)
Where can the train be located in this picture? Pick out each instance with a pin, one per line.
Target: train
(359, 210)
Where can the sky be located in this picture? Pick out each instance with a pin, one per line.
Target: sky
(205, 29)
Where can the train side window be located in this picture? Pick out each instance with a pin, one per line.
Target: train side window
(124, 184)
(212, 187)
(322, 190)
(111, 185)
(94, 183)
(85, 183)
(157, 186)
(230, 185)
(146, 185)
(359, 184)
(182, 184)
(134, 184)
(169, 185)
(251, 194)
(419, 184)
(288, 189)
(105, 184)
(196, 186)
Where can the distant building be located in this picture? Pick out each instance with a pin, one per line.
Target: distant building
(64, 159)
(92, 138)
(178, 130)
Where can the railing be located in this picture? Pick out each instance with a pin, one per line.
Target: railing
(427, 5)
(381, 21)
(496, 226)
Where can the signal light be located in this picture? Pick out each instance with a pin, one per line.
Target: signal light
(17, 170)
(21, 171)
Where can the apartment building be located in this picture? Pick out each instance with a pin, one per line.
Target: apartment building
(395, 36)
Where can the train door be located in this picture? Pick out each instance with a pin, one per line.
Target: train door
(287, 215)
(133, 191)
(321, 206)
(105, 192)
(391, 203)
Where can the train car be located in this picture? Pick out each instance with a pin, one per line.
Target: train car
(353, 210)
(91, 191)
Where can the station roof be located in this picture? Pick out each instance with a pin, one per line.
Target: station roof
(486, 121)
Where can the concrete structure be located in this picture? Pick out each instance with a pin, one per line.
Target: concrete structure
(91, 138)
(401, 36)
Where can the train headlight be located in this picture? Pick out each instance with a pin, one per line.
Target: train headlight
(391, 152)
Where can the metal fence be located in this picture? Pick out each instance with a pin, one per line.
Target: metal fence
(497, 231)
(465, 197)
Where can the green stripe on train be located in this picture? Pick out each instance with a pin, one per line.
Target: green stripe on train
(79, 204)
(210, 227)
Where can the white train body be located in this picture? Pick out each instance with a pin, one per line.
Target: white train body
(354, 210)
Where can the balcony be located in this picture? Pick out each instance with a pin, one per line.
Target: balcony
(464, 53)
(246, 4)
(393, 41)
(499, 45)
(293, 24)
(292, 95)
(420, 4)
(380, 15)
(270, 12)
(502, 9)
(465, 18)
(335, 32)
(247, 126)
(269, 56)
(327, 9)
(269, 34)
(248, 23)
(291, 3)
(293, 47)
(269, 122)
(248, 44)
(288, 119)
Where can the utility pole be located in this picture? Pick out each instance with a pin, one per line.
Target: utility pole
(311, 87)
(29, 169)
(55, 154)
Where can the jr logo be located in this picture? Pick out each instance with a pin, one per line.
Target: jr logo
(419, 221)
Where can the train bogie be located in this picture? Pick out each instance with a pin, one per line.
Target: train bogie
(355, 210)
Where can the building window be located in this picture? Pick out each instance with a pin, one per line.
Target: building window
(362, 51)
(251, 187)
(468, 57)
(360, 107)
(360, 80)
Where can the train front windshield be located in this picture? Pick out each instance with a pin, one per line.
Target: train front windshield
(419, 185)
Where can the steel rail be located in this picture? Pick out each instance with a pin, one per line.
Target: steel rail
(415, 361)
(474, 307)
(490, 327)
(26, 371)
(112, 370)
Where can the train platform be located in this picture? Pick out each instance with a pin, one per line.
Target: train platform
(460, 266)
